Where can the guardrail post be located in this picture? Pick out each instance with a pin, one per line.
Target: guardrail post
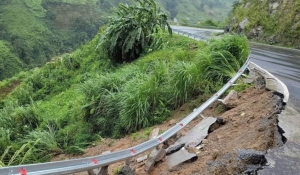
(127, 162)
(101, 170)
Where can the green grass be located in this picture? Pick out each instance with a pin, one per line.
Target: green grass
(280, 27)
(69, 103)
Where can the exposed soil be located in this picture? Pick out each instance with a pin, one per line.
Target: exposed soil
(250, 124)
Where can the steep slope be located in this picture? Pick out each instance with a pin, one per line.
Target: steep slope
(35, 30)
(270, 21)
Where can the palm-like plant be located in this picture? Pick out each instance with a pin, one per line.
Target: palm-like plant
(130, 32)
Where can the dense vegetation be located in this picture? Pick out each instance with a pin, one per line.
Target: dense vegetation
(270, 21)
(81, 97)
(32, 32)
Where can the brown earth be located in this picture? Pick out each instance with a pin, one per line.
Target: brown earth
(250, 124)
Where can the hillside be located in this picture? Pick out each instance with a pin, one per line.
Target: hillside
(269, 21)
(32, 32)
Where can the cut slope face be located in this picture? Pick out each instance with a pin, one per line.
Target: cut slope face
(269, 21)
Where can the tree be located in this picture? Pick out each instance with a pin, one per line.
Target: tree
(132, 31)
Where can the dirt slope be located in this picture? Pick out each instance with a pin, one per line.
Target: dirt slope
(250, 124)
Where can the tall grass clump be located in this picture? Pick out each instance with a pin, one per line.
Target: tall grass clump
(223, 58)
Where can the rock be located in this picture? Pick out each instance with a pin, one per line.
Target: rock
(215, 154)
(248, 80)
(175, 148)
(154, 133)
(233, 95)
(278, 102)
(192, 149)
(242, 25)
(204, 141)
(273, 7)
(216, 167)
(252, 169)
(156, 155)
(256, 32)
(247, 5)
(216, 125)
(172, 122)
(126, 170)
(219, 137)
(141, 159)
(252, 157)
(260, 82)
(161, 154)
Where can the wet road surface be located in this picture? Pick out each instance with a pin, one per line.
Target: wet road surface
(284, 63)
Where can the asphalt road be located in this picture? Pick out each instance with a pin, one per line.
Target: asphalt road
(282, 62)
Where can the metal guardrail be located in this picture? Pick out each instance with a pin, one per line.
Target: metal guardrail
(272, 83)
(190, 35)
(89, 163)
(85, 164)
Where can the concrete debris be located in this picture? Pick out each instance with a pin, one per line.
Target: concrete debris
(141, 159)
(156, 155)
(195, 136)
(179, 157)
(260, 82)
(252, 156)
(227, 101)
(248, 80)
(174, 149)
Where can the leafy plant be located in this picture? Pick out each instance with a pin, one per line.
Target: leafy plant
(131, 31)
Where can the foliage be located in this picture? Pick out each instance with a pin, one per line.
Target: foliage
(278, 25)
(226, 56)
(9, 63)
(131, 31)
(75, 99)
(43, 30)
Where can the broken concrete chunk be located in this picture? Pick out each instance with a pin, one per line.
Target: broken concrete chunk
(233, 95)
(260, 82)
(179, 157)
(156, 155)
(141, 159)
(174, 149)
(154, 133)
(248, 80)
(252, 156)
(195, 136)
